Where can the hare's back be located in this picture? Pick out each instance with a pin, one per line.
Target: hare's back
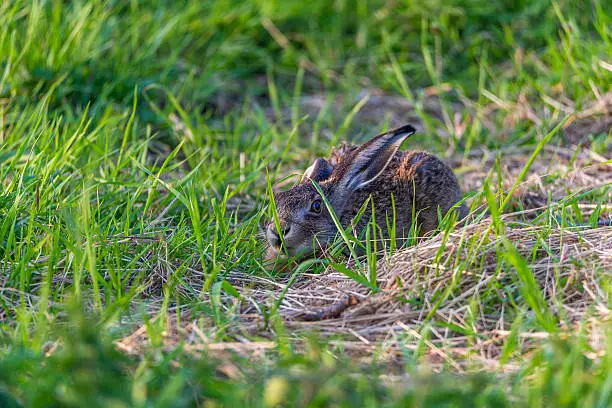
(433, 183)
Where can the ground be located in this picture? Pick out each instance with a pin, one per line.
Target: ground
(139, 145)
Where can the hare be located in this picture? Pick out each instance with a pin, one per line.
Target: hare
(420, 184)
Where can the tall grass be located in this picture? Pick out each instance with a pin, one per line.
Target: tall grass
(134, 141)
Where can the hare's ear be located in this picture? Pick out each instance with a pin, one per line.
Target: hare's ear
(373, 157)
(320, 170)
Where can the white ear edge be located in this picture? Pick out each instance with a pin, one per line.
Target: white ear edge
(308, 172)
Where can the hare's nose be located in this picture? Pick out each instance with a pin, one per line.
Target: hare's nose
(272, 233)
(284, 227)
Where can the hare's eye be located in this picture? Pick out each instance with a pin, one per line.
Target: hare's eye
(315, 207)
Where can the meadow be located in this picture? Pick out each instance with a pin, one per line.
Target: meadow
(140, 141)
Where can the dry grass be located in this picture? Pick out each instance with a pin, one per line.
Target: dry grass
(442, 283)
(438, 266)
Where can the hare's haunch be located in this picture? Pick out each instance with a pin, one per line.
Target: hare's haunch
(419, 183)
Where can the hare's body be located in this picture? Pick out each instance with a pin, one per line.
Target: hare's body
(414, 183)
(402, 185)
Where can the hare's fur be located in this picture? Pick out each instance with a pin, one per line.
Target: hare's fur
(420, 184)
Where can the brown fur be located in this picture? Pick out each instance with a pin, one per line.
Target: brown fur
(419, 182)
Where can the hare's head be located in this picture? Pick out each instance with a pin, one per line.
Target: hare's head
(306, 224)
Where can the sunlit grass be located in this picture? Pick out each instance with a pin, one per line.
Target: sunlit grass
(139, 144)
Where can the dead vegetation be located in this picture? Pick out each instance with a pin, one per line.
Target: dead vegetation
(437, 278)
(457, 290)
